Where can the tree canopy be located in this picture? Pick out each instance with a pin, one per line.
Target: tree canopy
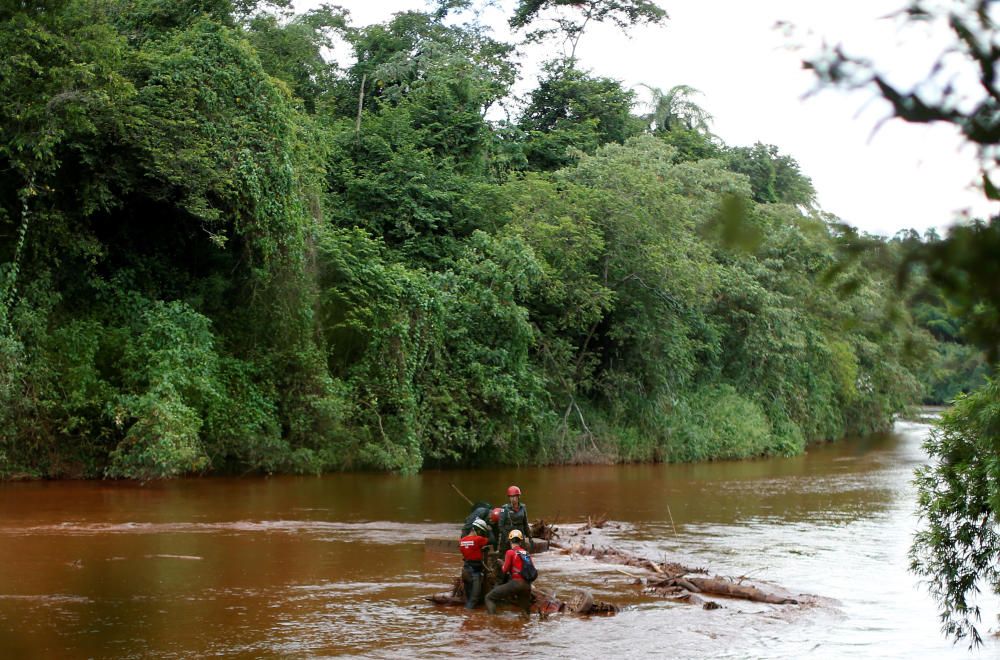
(222, 252)
(571, 17)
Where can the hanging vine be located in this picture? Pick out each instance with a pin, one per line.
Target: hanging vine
(9, 291)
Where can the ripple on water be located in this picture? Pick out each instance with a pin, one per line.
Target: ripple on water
(273, 584)
(377, 532)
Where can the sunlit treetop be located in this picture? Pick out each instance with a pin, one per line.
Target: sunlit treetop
(571, 17)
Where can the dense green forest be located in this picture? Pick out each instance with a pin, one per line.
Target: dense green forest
(222, 252)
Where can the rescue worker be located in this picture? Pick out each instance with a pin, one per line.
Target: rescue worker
(493, 562)
(495, 523)
(478, 510)
(515, 589)
(474, 547)
(514, 515)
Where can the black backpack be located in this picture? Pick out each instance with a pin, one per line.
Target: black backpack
(528, 570)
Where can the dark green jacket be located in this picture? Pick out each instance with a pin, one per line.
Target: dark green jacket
(509, 520)
(484, 513)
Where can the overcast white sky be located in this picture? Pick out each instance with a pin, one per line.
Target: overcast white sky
(753, 83)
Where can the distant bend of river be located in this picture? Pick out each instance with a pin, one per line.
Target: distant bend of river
(336, 565)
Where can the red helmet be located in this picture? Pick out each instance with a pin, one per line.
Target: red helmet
(495, 515)
(513, 490)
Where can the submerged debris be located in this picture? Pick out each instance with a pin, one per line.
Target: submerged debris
(595, 523)
(542, 530)
(720, 586)
(614, 556)
(678, 582)
(580, 602)
(671, 580)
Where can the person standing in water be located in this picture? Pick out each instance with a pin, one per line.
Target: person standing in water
(474, 547)
(514, 515)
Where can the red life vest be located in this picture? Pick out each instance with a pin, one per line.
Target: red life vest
(512, 564)
(472, 547)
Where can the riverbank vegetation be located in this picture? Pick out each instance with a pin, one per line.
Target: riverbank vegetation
(223, 252)
(956, 549)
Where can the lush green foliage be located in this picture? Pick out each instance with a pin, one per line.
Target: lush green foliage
(572, 112)
(957, 282)
(775, 178)
(222, 252)
(952, 365)
(958, 548)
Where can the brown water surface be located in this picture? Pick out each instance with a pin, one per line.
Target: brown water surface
(306, 567)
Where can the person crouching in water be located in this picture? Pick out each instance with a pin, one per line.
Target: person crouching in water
(473, 547)
(516, 589)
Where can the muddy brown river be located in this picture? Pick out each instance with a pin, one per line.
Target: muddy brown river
(336, 565)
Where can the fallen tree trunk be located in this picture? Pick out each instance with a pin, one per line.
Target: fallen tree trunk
(542, 602)
(693, 599)
(614, 556)
(725, 587)
(675, 580)
(678, 588)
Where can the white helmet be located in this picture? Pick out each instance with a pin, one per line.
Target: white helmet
(480, 525)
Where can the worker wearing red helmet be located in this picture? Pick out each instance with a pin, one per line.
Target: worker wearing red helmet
(494, 520)
(514, 515)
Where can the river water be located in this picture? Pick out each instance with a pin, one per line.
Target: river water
(307, 567)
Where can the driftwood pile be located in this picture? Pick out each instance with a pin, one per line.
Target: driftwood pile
(665, 579)
(579, 602)
(676, 581)
(543, 530)
(542, 602)
(614, 556)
